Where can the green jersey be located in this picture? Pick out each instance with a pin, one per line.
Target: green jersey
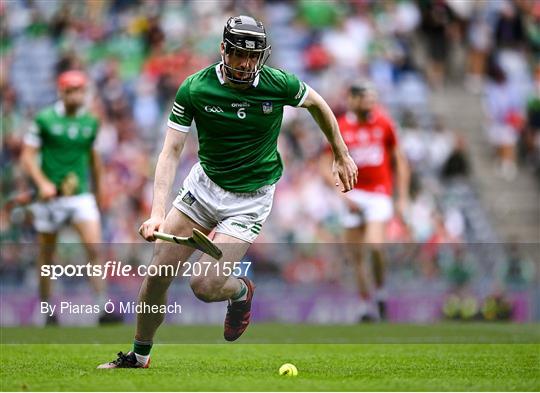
(65, 143)
(237, 129)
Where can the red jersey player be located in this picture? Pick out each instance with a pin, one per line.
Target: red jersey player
(370, 136)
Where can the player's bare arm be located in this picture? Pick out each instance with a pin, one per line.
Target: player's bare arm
(402, 180)
(343, 166)
(96, 166)
(163, 179)
(46, 188)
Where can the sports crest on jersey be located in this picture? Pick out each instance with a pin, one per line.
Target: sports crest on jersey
(189, 198)
(267, 107)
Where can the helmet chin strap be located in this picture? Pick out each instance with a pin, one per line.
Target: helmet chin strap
(226, 71)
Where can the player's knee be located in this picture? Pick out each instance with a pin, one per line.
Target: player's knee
(205, 288)
(202, 292)
(158, 282)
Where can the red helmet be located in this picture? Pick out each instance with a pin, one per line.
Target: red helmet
(70, 79)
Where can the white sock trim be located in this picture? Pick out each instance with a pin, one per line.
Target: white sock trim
(142, 359)
(381, 294)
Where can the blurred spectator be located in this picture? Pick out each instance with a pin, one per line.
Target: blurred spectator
(480, 39)
(531, 136)
(509, 31)
(532, 27)
(457, 163)
(496, 307)
(517, 270)
(415, 141)
(437, 21)
(504, 119)
(441, 144)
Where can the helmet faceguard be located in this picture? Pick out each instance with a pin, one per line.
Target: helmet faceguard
(245, 37)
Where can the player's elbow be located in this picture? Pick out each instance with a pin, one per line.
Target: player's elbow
(176, 149)
(169, 155)
(174, 144)
(172, 151)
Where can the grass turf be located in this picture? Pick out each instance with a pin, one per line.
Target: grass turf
(403, 365)
(272, 333)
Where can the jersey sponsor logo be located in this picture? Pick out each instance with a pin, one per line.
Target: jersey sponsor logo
(189, 199)
(57, 129)
(73, 132)
(349, 137)
(363, 135)
(267, 107)
(87, 132)
(213, 109)
(371, 155)
(240, 104)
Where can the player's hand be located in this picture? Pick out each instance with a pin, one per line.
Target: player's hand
(346, 171)
(402, 206)
(47, 190)
(149, 226)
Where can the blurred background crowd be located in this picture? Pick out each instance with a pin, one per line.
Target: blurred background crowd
(137, 52)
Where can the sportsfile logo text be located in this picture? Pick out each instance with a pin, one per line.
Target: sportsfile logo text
(120, 269)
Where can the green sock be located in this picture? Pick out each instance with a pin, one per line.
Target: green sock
(142, 347)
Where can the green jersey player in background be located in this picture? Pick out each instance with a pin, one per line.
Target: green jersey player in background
(62, 136)
(237, 106)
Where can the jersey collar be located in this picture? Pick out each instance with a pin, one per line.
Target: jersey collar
(222, 81)
(60, 109)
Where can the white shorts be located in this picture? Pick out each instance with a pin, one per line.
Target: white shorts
(240, 215)
(374, 207)
(502, 134)
(50, 216)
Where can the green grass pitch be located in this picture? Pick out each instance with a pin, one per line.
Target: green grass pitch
(458, 357)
